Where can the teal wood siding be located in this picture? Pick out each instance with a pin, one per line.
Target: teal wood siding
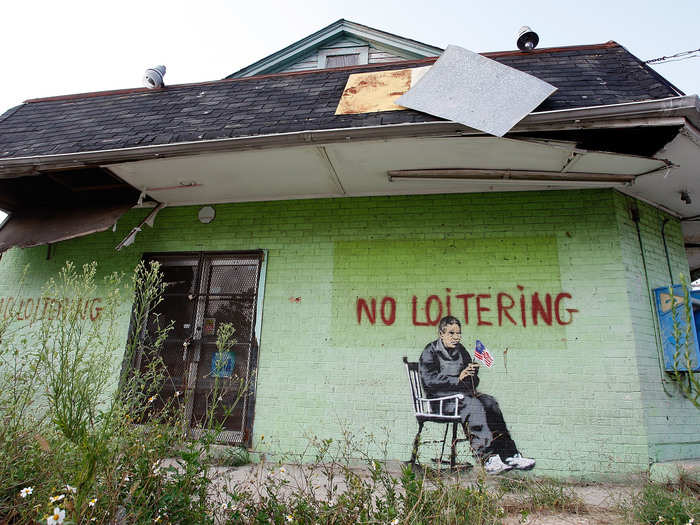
(340, 46)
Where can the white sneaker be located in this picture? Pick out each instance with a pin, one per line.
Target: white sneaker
(494, 465)
(520, 463)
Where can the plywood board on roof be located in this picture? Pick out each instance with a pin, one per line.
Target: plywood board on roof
(377, 90)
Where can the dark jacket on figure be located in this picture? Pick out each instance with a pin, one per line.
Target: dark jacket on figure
(440, 368)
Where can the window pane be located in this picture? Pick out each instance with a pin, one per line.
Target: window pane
(342, 60)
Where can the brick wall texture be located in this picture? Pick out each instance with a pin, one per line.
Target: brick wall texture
(581, 388)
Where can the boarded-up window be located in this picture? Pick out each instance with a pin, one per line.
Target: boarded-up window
(342, 60)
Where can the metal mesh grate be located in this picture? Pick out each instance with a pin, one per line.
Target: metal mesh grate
(230, 297)
(203, 292)
(241, 278)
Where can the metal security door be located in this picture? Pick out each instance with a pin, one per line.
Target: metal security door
(180, 275)
(202, 292)
(229, 292)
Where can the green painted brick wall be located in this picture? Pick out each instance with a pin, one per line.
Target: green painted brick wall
(583, 398)
(671, 422)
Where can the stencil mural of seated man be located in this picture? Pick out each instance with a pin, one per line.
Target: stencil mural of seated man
(446, 368)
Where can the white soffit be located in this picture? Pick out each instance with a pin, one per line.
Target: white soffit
(476, 91)
(360, 168)
(664, 187)
(233, 177)
(363, 168)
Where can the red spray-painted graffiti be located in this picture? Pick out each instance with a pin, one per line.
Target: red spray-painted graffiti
(484, 309)
(50, 308)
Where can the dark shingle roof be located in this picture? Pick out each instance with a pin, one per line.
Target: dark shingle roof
(585, 75)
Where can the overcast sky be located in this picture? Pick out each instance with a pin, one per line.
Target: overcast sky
(72, 46)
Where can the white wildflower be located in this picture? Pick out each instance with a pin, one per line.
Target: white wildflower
(395, 521)
(26, 491)
(70, 489)
(282, 470)
(57, 517)
(54, 499)
(290, 518)
(92, 502)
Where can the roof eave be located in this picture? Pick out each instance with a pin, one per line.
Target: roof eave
(661, 112)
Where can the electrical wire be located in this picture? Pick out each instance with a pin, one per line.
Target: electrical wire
(678, 59)
(634, 215)
(683, 55)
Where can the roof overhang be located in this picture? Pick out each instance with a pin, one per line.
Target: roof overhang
(419, 158)
(398, 166)
(674, 111)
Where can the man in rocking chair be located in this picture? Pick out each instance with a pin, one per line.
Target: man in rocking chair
(446, 368)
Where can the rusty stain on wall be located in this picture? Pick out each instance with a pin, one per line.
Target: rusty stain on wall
(377, 91)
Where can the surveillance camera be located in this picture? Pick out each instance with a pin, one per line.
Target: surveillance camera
(153, 78)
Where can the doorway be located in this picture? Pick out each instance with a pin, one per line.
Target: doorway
(202, 292)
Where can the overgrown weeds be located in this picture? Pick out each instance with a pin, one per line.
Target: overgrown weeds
(81, 442)
(667, 504)
(540, 494)
(235, 457)
(337, 492)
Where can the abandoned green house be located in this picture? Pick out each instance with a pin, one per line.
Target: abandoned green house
(335, 228)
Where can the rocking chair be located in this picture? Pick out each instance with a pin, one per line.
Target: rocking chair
(424, 409)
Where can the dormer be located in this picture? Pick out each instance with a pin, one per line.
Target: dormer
(343, 43)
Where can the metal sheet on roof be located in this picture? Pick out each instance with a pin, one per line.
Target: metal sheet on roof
(476, 91)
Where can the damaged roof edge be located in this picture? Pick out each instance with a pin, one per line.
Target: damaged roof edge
(667, 111)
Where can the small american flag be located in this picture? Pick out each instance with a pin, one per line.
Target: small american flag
(482, 354)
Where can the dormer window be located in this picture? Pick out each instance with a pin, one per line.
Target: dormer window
(342, 60)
